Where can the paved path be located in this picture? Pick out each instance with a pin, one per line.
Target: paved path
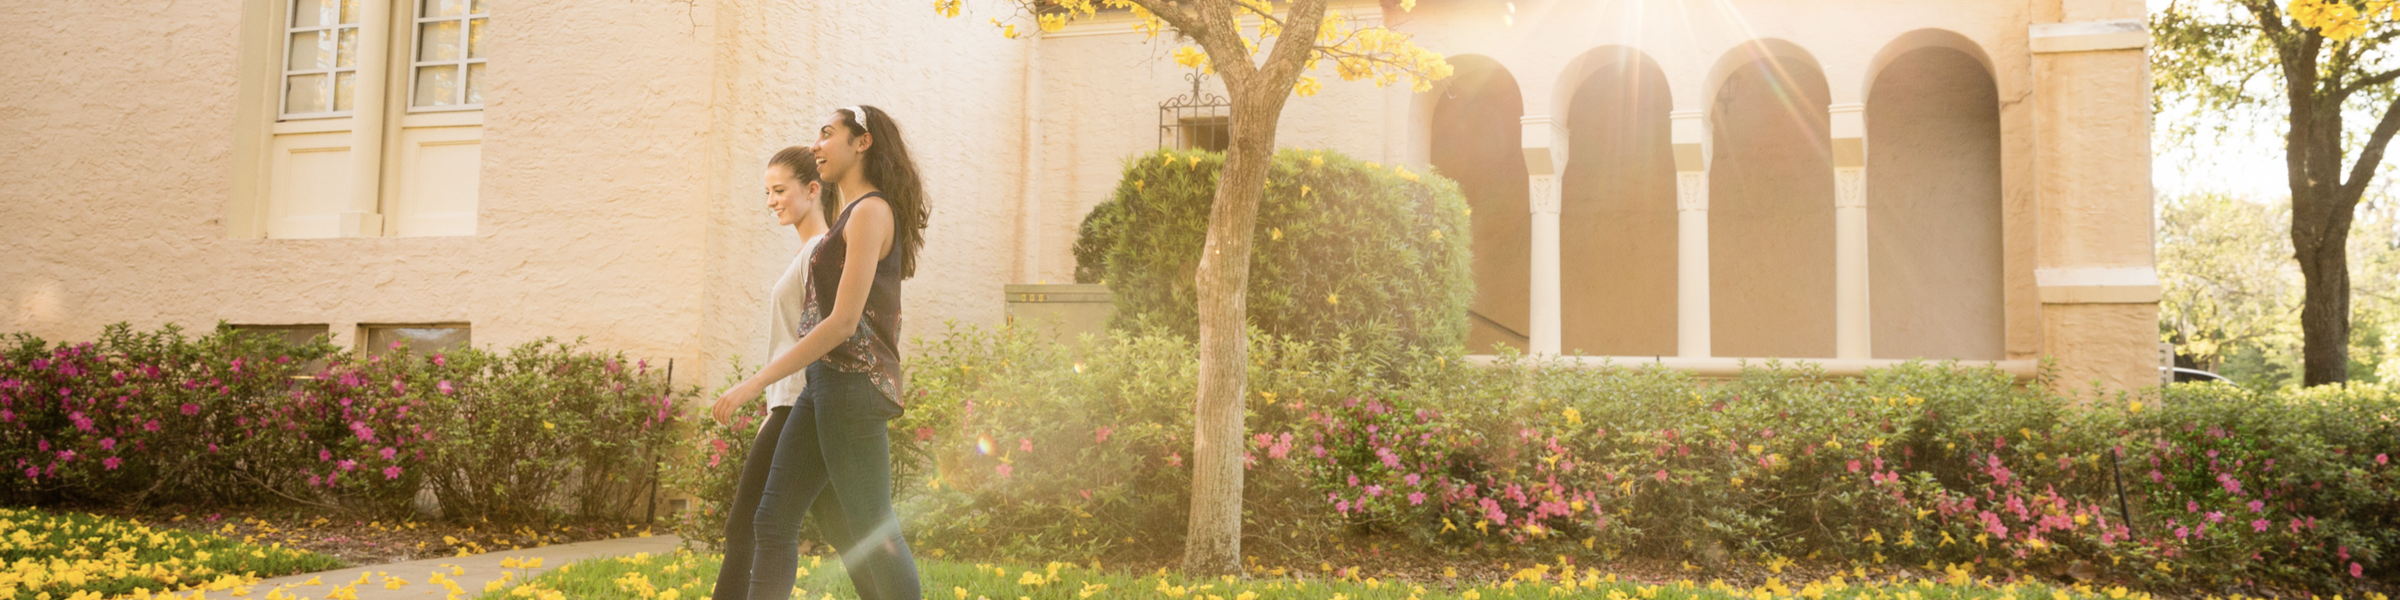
(472, 572)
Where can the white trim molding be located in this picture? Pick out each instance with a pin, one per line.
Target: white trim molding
(2088, 36)
(2098, 285)
(1732, 367)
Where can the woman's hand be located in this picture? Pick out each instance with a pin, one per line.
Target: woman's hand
(733, 400)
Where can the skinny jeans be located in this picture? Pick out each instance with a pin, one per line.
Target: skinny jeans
(835, 438)
(733, 577)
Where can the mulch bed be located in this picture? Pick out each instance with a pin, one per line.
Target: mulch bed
(364, 542)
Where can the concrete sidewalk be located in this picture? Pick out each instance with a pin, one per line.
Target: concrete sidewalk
(473, 572)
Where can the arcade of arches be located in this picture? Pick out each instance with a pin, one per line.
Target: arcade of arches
(1804, 229)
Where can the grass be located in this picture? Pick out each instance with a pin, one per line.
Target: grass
(75, 555)
(686, 575)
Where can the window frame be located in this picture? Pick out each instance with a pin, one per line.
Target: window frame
(416, 52)
(288, 24)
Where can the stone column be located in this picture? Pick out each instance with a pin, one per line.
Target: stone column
(1691, 234)
(2095, 263)
(363, 217)
(1545, 148)
(1853, 332)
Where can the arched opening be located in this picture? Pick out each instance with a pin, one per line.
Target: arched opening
(1770, 207)
(1475, 135)
(1617, 218)
(1933, 207)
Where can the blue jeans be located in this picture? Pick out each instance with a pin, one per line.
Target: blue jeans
(836, 437)
(733, 577)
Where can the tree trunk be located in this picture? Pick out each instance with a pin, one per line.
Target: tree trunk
(1213, 544)
(2322, 246)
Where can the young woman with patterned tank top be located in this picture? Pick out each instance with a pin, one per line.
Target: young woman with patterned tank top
(801, 200)
(849, 335)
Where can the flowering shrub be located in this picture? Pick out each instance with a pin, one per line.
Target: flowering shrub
(1924, 466)
(545, 430)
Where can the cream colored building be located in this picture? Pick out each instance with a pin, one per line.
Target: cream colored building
(1696, 182)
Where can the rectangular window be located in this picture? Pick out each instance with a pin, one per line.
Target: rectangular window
(360, 118)
(290, 335)
(1212, 134)
(320, 66)
(448, 65)
(419, 339)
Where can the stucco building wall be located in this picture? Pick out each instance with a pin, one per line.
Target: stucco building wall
(621, 145)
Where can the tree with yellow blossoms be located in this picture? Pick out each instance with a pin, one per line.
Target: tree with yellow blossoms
(2326, 67)
(1265, 52)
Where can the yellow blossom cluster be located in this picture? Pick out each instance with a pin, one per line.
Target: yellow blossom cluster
(67, 555)
(2339, 20)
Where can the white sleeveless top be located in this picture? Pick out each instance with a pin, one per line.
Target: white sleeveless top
(784, 308)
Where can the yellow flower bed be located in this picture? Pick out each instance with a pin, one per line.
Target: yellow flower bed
(73, 556)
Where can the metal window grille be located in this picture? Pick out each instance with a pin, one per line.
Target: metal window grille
(446, 72)
(1195, 121)
(320, 62)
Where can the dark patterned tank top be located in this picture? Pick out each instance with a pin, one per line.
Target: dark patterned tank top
(874, 348)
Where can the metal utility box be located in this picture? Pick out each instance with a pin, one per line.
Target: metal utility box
(1063, 311)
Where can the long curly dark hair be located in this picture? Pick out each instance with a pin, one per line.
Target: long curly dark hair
(892, 171)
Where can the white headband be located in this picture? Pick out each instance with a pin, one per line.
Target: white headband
(858, 114)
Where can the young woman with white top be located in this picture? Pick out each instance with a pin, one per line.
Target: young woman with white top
(800, 200)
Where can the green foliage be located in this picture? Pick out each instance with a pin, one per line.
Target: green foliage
(1342, 249)
(544, 431)
(1524, 458)
(2231, 294)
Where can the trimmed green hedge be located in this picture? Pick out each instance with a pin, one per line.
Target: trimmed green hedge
(1344, 248)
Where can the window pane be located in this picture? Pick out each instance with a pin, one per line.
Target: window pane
(348, 58)
(304, 94)
(480, 8)
(343, 84)
(475, 83)
(313, 13)
(437, 41)
(311, 50)
(349, 12)
(475, 38)
(441, 8)
(437, 85)
(419, 340)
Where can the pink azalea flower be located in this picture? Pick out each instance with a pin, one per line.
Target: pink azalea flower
(1411, 479)
(388, 452)
(2259, 525)
(442, 386)
(1342, 506)
(1024, 444)
(391, 472)
(1416, 498)
(1101, 436)
(924, 433)
(2383, 459)
(111, 462)
(1853, 466)
(190, 409)
(1661, 475)
(1175, 459)
(347, 464)
(2357, 572)
(150, 426)
(324, 455)
(108, 443)
(1004, 469)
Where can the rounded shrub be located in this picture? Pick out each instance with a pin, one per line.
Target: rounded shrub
(1344, 249)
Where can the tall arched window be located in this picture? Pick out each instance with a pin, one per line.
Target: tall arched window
(1617, 220)
(1933, 205)
(1474, 141)
(1770, 214)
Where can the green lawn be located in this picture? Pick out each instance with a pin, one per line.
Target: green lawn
(686, 575)
(60, 555)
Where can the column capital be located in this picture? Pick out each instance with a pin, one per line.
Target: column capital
(1543, 194)
(1544, 141)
